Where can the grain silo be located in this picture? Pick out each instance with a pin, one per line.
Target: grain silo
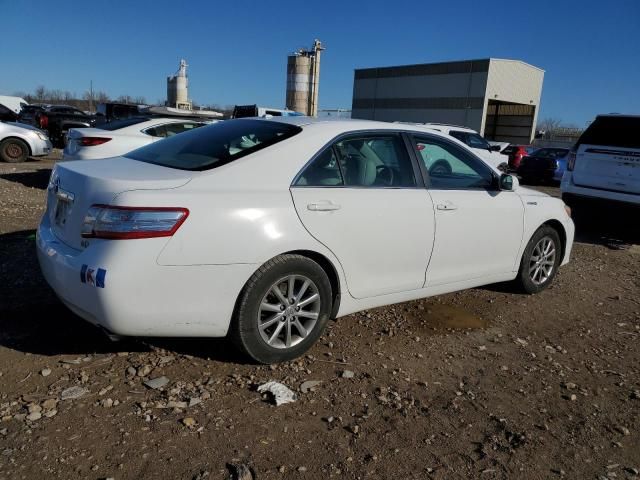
(177, 88)
(303, 78)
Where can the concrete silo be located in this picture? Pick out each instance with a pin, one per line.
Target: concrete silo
(303, 78)
(177, 88)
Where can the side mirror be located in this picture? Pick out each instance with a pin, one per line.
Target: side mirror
(507, 182)
(494, 148)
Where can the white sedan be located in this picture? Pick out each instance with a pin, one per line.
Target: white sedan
(122, 136)
(19, 141)
(263, 229)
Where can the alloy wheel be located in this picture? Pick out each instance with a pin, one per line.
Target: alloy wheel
(289, 311)
(542, 260)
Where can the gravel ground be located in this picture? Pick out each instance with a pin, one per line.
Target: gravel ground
(484, 383)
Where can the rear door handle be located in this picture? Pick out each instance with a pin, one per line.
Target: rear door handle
(446, 206)
(323, 207)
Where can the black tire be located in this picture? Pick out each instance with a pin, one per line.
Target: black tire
(14, 150)
(244, 331)
(524, 279)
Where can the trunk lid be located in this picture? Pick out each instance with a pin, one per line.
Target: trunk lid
(75, 134)
(75, 186)
(609, 168)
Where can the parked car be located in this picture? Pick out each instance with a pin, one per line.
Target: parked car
(246, 111)
(500, 145)
(19, 142)
(603, 168)
(541, 164)
(515, 154)
(264, 229)
(121, 136)
(29, 112)
(489, 153)
(57, 120)
(10, 107)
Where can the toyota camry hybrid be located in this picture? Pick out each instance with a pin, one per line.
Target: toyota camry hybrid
(264, 229)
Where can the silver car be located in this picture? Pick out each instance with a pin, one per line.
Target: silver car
(19, 141)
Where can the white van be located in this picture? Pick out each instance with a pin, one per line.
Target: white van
(604, 166)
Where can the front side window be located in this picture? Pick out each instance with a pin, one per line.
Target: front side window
(175, 128)
(450, 167)
(214, 145)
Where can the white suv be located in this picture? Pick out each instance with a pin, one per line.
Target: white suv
(489, 153)
(604, 166)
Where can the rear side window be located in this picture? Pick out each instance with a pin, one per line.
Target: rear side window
(614, 131)
(214, 145)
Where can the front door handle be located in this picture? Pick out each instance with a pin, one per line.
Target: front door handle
(323, 207)
(446, 206)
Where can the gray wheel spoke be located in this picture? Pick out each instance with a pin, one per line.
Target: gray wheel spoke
(276, 332)
(288, 338)
(270, 307)
(301, 330)
(304, 314)
(276, 291)
(302, 291)
(270, 322)
(291, 286)
(308, 300)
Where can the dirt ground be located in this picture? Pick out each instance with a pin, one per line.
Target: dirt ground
(485, 383)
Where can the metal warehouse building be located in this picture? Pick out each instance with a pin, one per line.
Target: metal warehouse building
(498, 98)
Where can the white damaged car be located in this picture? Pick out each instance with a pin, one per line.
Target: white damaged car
(264, 229)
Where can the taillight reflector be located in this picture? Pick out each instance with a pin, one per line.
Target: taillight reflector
(92, 141)
(124, 223)
(571, 160)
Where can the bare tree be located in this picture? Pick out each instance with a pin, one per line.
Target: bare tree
(549, 125)
(40, 93)
(140, 100)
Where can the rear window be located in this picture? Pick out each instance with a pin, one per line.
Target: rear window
(215, 145)
(125, 122)
(613, 132)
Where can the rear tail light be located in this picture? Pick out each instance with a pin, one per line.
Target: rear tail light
(43, 120)
(92, 141)
(571, 160)
(122, 223)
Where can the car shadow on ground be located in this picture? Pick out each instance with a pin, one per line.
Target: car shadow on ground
(614, 230)
(36, 179)
(33, 320)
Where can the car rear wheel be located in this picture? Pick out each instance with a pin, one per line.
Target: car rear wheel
(14, 150)
(282, 310)
(540, 260)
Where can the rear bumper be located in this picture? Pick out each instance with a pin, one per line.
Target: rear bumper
(573, 194)
(133, 295)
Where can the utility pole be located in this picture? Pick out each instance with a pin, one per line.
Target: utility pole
(91, 96)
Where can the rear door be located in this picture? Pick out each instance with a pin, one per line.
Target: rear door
(362, 197)
(608, 155)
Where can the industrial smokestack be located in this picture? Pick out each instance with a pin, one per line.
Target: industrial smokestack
(303, 79)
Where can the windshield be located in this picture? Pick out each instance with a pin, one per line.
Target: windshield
(214, 145)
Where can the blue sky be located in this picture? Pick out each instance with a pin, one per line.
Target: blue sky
(237, 50)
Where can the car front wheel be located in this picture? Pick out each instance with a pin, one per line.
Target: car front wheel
(540, 260)
(282, 310)
(14, 150)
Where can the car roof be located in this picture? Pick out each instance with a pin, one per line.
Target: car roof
(343, 125)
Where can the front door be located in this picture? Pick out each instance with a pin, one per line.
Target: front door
(478, 227)
(360, 198)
